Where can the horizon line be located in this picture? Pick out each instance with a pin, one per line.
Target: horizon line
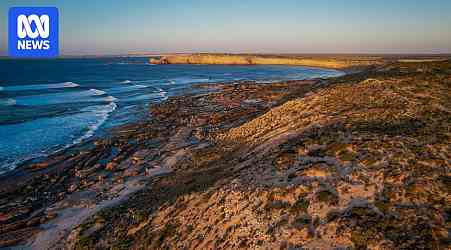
(137, 54)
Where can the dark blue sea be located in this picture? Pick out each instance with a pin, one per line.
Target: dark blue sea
(48, 105)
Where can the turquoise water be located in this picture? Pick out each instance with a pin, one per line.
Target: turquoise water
(47, 105)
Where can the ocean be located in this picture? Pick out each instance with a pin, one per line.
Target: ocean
(49, 105)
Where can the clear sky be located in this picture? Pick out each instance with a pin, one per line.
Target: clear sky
(283, 26)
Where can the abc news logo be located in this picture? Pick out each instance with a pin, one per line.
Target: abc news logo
(33, 32)
(24, 29)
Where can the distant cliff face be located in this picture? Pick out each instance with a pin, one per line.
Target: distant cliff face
(235, 59)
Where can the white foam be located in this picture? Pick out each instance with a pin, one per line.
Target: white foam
(35, 135)
(7, 102)
(97, 92)
(91, 95)
(103, 112)
(11, 165)
(126, 81)
(161, 95)
(110, 99)
(70, 85)
(161, 91)
(164, 95)
(40, 86)
(100, 108)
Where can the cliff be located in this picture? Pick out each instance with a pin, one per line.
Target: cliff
(243, 59)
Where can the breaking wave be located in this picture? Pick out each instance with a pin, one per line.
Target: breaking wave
(7, 102)
(91, 95)
(40, 86)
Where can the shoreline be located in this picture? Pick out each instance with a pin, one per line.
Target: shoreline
(68, 143)
(90, 135)
(302, 158)
(59, 162)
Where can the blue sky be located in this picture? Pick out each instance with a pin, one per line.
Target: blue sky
(284, 26)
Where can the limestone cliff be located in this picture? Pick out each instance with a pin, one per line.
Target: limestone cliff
(243, 59)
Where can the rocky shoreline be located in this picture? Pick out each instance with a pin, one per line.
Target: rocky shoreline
(360, 161)
(86, 175)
